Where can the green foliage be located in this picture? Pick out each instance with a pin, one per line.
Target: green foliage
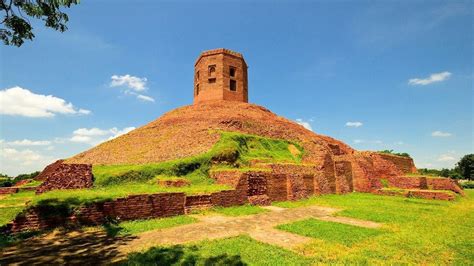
(403, 154)
(241, 250)
(26, 176)
(5, 182)
(240, 210)
(467, 185)
(332, 232)
(465, 167)
(16, 25)
(384, 182)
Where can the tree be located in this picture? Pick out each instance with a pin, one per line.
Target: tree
(16, 27)
(466, 166)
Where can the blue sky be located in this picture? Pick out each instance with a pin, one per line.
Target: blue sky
(376, 75)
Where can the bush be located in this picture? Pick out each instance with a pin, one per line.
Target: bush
(467, 185)
(403, 154)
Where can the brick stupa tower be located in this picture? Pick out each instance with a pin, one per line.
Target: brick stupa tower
(220, 74)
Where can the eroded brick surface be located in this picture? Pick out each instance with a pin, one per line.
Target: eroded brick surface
(66, 176)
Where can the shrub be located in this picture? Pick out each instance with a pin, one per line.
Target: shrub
(467, 185)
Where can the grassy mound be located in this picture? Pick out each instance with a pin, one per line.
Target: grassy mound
(234, 150)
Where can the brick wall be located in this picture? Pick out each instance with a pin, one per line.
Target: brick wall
(123, 209)
(405, 164)
(444, 184)
(408, 182)
(429, 194)
(343, 171)
(198, 202)
(66, 176)
(8, 190)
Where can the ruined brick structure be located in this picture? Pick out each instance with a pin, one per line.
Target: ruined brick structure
(327, 166)
(220, 74)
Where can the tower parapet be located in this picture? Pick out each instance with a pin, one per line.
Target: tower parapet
(220, 74)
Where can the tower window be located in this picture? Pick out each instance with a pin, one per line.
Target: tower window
(233, 85)
(212, 80)
(212, 70)
(232, 71)
(197, 89)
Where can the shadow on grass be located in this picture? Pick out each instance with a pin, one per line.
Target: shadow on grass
(179, 255)
(65, 247)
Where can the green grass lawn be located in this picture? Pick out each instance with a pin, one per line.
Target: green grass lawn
(140, 226)
(240, 210)
(415, 231)
(331, 232)
(240, 250)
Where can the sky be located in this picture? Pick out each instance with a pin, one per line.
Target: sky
(375, 74)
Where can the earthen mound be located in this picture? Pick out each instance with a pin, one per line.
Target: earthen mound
(194, 129)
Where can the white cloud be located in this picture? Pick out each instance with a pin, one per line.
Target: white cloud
(131, 82)
(359, 141)
(399, 143)
(354, 124)
(446, 158)
(94, 136)
(22, 102)
(435, 77)
(441, 134)
(27, 142)
(14, 162)
(305, 124)
(131, 85)
(145, 98)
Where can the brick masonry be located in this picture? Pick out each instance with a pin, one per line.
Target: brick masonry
(8, 190)
(427, 183)
(212, 85)
(65, 176)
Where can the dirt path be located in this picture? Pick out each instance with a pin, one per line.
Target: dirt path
(79, 247)
(259, 226)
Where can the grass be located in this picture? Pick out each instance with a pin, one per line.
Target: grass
(240, 210)
(331, 232)
(140, 226)
(418, 231)
(240, 250)
(13, 204)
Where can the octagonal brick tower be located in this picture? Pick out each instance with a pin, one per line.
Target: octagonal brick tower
(220, 74)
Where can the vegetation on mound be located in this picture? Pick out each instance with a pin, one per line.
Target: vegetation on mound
(232, 151)
(402, 154)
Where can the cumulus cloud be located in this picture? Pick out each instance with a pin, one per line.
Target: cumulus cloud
(441, 134)
(14, 161)
(435, 77)
(94, 136)
(304, 123)
(22, 102)
(132, 85)
(446, 158)
(27, 142)
(128, 81)
(354, 124)
(358, 141)
(145, 98)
